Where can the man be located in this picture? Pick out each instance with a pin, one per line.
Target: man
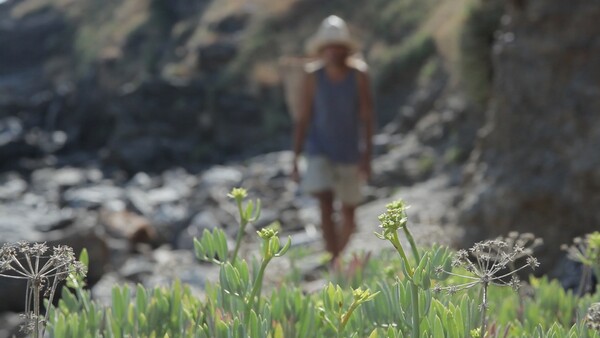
(335, 120)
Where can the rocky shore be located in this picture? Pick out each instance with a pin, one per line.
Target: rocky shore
(140, 228)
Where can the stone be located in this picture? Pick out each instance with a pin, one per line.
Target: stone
(102, 290)
(63, 177)
(137, 267)
(171, 265)
(9, 324)
(231, 23)
(406, 164)
(139, 201)
(536, 164)
(13, 144)
(163, 195)
(221, 176)
(12, 186)
(204, 220)
(216, 55)
(131, 226)
(92, 196)
(142, 181)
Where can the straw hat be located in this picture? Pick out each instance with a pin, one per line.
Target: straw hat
(333, 30)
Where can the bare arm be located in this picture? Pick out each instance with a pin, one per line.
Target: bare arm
(303, 120)
(366, 116)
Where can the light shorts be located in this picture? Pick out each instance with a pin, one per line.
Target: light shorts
(324, 175)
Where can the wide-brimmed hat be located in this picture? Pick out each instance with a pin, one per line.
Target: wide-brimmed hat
(333, 31)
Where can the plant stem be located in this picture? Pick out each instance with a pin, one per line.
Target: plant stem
(416, 320)
(256, 288)
(583, 282)
(483, 308)
(238, 241)
(36, 307)
(51, 297)
(346, 317)
(240, 234)
(396, 243)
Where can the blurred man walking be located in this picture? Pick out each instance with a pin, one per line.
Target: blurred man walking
(335, 126)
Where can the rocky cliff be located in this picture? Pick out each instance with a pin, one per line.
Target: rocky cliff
(537, 167)
(147, 84)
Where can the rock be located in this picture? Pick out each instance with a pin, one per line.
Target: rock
(216, 55)
(404, 165)
(139, 201)
(9, 325)
(430, 128)
(569, 274)
(29, 40)
(168, 219)
(171, 265)
(204, 220)
(142, 181)
(536, 167)
(92, 196)
(164, 195)
(102, 291)
(221, 176)
(179, 179)
(177, 9)
(13, 144)
(231, 23)
(137, 267)
(128, 225)
(12, 186)
(11, 129)
(63, 177)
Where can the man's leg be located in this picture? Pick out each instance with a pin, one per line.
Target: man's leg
(347, 189)
(348, 225)
(327, 224)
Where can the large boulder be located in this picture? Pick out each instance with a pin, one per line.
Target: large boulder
(537, 167)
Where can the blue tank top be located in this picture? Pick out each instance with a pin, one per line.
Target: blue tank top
(334, 128)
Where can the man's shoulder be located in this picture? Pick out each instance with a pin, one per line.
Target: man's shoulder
(313, 66)
(354, 63)
(358, 64)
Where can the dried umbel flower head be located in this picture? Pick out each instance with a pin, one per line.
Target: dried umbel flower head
(43, 273)
(490, 258)
(585, 250)
(528, 241)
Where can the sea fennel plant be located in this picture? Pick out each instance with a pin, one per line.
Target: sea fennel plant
(419, 273)
(235, 305)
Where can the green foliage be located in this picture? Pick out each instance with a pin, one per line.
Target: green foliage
(396, 296)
